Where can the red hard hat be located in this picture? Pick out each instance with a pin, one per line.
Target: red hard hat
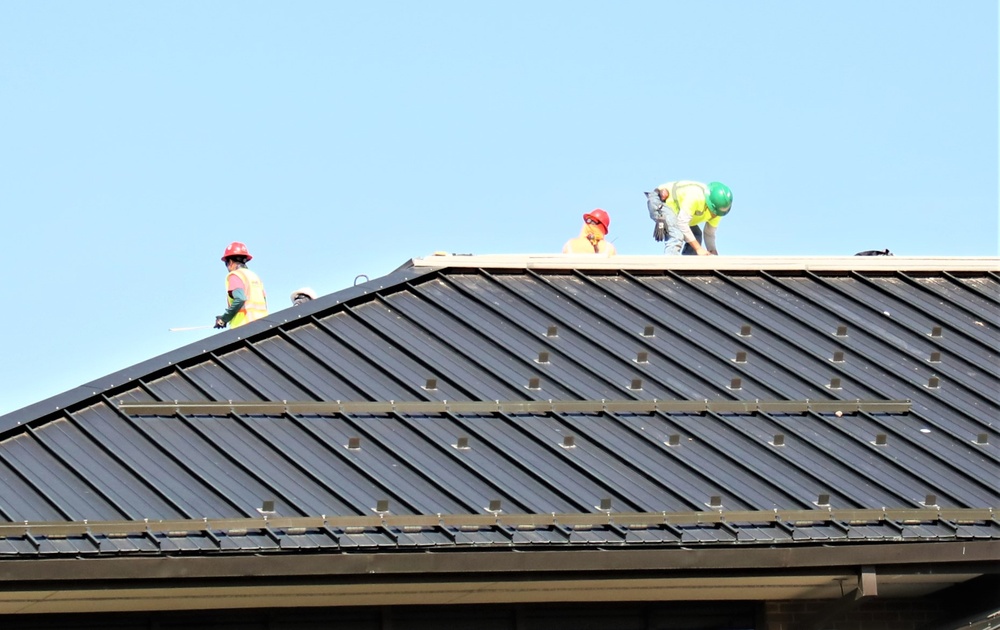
(236, 248)
(601, 217)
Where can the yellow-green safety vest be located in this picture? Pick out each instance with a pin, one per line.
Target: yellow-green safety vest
(690, 195)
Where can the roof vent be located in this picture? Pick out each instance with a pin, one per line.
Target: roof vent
(834, 383)
(642, 357)
(823, 500)
(553, 331)
(745, 330)
(543, 357)
(605, 505)
(636, 384)
(381, 507)
(736, 384)
(936, 331)
(841, 331)
(778, 439)
(569, 441)
(673, 440)
(741, 357)
(534, 383)
(495, 507)
(933, 383)
(935, 357)
(648, 331)
(267, 507)
(930, 500)
(354, 443)
(881, 440)
(462, 443)
(715, 502)
(838, 356)
(431, 384)
(982, 439)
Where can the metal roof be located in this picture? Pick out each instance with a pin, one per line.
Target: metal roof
(464, 387)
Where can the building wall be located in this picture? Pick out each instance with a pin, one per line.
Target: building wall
(874, 614)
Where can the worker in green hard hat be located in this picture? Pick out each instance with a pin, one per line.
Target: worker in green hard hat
(679, 208)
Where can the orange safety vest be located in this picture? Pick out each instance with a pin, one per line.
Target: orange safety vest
(255, 305)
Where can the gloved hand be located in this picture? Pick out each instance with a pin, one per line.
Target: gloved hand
(660, 231)
(219, 323)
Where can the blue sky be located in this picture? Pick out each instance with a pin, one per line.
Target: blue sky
(338, 139)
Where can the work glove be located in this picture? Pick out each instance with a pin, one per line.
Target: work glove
(660, 230)
(219, 323)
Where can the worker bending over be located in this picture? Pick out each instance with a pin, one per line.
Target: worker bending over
(592, 239)
(245, 296)
(678, 208)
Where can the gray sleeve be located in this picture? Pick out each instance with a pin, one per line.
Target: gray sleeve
(709, 235)
(655, 206)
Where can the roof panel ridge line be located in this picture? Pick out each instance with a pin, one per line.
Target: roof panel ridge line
(152, 487)
(84, 479)
(877, 340)
(958, 331)
(972, 289)
(345, 340)
(282, 451)
(138, 527)
(959, 287)
(226, 455)
(403, 348)
(438, 339)
(474, 358)
(710, 323)
(195, 475)
(582, 366)
(644, 286)
(610, 322)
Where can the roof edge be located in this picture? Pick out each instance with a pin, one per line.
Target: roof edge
(728, 263)
(288, 315)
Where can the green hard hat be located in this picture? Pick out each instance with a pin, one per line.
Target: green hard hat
(720, 199)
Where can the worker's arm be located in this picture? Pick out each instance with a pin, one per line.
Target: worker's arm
(239, 299)
(710, 239)
(684, 223)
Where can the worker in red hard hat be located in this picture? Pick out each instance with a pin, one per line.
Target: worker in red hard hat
(593, 236)
(245, 296)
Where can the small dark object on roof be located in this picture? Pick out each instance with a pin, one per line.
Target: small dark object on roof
(874, 252)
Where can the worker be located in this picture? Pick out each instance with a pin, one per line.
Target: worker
(245, 295)
(678, 208)
(593, 235)
(303, 295)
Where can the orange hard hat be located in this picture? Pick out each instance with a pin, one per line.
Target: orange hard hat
(236, 248)
(601, 217)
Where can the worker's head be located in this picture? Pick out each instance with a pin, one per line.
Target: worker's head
(719, 199)
(236, 252)
(599, 218)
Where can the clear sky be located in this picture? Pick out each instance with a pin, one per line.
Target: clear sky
(344, 138)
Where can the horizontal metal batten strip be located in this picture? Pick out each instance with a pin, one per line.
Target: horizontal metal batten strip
(619, 519)
(514, 407)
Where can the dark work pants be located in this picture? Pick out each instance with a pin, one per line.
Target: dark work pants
(688, 250)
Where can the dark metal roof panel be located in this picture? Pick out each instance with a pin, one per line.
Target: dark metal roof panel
(536, 335)
(345, 464)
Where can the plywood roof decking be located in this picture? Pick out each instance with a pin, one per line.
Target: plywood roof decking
(459, 328)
